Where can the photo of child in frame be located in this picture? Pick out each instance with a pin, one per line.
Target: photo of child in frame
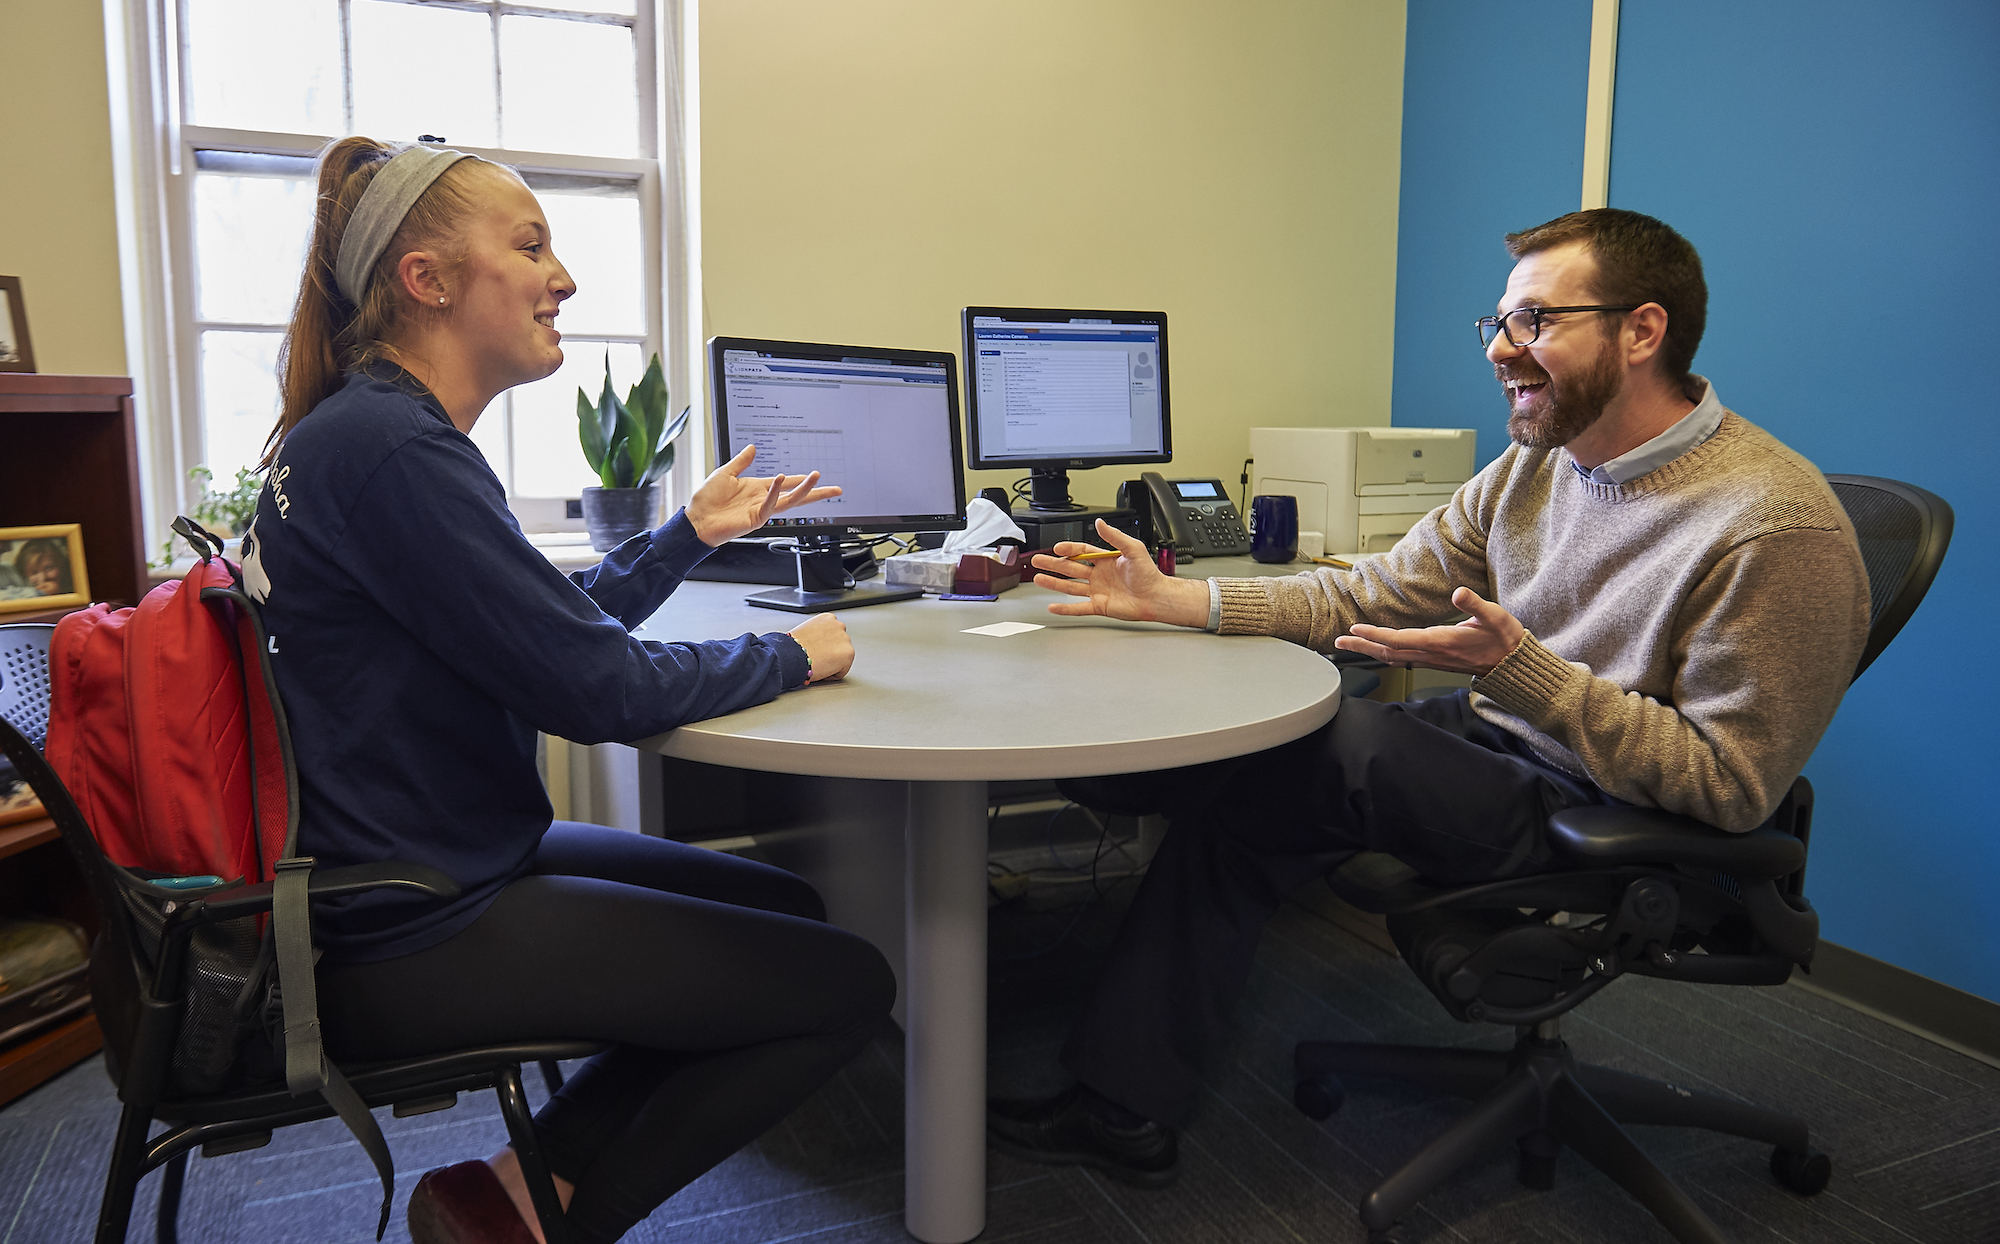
(41, 567)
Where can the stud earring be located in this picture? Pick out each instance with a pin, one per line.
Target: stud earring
(440, 302)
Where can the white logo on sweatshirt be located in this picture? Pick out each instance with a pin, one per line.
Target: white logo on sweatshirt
(255, 581)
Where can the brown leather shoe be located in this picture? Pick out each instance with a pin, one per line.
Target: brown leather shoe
(465, 1204)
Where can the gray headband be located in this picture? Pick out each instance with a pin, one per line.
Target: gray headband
(380, 212)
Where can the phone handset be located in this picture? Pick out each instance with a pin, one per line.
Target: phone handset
(1167, 514)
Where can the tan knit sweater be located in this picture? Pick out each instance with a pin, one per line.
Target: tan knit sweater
(1690, 632)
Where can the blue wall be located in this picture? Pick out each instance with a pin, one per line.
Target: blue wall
(1487, 149)
(1838, 166)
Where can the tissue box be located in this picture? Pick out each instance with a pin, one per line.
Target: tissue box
(929, 569)
(987, 572)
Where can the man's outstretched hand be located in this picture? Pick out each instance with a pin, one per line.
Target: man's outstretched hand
(727, 505)
(1128, 586)
(1473, 646)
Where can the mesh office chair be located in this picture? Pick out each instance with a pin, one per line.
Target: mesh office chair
(24, 679)
(140, 998)
(1655, 888)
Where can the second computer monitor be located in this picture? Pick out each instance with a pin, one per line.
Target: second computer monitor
(1052, 391)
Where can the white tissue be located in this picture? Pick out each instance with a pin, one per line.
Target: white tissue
(985, 524)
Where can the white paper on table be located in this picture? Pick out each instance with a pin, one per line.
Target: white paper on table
(1002, 629)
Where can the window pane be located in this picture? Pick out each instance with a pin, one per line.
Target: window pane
(597, 237)
(548, 461)
(265, 65)
(250, 245)
(239, 399)
(568, 86)
(620, 8)
(422, 71)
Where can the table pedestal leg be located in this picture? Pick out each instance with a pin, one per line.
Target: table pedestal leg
(944, 1080)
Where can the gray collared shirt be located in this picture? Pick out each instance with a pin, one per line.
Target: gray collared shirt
(1690, 430)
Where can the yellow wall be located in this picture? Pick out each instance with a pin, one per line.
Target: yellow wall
(871, 166)
(58, 228)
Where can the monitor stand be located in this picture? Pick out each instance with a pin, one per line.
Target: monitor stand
(1048, 490)
(823, 584)
(1052, 517)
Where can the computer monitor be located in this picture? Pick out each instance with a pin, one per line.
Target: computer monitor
(882, 424)
(1057, 391)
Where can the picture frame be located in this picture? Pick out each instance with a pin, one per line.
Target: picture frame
(16, 354)
(42, 568)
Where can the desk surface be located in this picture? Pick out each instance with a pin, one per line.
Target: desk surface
(1081, 696)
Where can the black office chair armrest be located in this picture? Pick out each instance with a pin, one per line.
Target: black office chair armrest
(332, 883)
(1605, 837)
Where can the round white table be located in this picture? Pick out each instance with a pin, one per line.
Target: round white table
(946, 712)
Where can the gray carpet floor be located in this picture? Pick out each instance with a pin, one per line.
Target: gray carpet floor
(1914, 1129)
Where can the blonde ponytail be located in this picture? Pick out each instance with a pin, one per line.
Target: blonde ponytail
(330, 336)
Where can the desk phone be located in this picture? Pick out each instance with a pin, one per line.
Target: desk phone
(1198, 515)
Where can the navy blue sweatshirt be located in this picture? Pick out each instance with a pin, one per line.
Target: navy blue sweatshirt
(419, 642)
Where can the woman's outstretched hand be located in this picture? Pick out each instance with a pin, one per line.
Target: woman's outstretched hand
(727, 505)
(1128, 586)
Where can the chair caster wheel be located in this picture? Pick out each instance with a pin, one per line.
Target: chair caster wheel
(1538, 1161)
(1537, 1173)
(1804, 1173)
(1317, 1097)
(1398, 1234)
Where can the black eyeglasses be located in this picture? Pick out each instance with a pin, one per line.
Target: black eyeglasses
(1524, 324)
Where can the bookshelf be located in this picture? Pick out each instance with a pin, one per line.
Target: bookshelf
(74, 443)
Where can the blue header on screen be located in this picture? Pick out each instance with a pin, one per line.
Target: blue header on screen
(999, 334)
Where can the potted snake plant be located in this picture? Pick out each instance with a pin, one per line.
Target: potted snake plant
(630, 445)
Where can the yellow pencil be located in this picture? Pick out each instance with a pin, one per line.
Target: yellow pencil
(1095, 555)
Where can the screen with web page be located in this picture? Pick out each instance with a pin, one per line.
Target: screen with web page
(881, 424)
(1081, 388)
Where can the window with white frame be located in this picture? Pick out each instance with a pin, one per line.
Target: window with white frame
(562, 90)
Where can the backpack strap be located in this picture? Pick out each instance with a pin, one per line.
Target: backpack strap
(306, 1067)
(291, 927)
(354, 1112)
(206, 544)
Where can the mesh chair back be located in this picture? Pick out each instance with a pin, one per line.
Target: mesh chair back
(1904, 531)
(24, 679)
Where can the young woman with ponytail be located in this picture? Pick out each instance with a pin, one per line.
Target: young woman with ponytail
(419, 642)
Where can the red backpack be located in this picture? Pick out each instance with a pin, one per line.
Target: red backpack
(166, 727)
(160, 728)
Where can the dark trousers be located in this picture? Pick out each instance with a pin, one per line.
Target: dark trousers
(1428, 782)
(728, 999)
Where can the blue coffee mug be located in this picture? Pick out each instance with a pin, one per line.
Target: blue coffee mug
(1274, 528)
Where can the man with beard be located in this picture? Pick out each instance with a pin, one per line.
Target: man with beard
(1662, 606)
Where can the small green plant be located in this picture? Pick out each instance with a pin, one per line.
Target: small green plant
(224, 513)
(630, 443)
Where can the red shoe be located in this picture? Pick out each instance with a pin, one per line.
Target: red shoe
(465, 1204)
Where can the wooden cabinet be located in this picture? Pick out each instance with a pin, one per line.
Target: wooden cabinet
(68, 454)
(71, 455)
(38, 876)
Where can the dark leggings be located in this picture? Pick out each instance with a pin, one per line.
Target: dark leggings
(727, 997)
